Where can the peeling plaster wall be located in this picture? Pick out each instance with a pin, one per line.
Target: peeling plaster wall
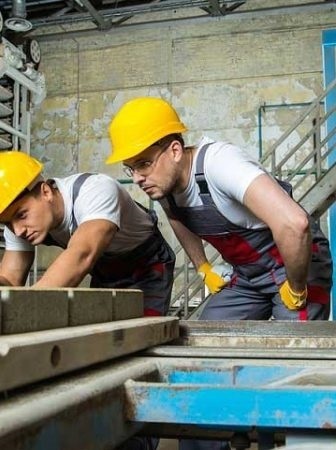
(216, 73)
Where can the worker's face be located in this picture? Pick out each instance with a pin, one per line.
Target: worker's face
(156, 170)
(32, 217)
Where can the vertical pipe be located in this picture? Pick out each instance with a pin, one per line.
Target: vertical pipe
(329, 68)
(260, 131)
(186, 282)
(317, 142)
(19, 9)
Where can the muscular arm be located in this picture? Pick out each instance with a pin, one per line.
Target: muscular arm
(289, 225)
(191, 243)
(84, 248)
(14, 267)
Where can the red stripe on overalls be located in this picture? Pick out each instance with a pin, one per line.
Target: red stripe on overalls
(234, 249)
(316, 294)
(275, 254)
(156, 267)
(303, 314)
(149, 312)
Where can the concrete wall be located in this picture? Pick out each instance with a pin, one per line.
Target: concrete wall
(217, 73)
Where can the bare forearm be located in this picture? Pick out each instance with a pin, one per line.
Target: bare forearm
(68, 270)
(191, 243)
(295, 249)
(14, 268)
(84, 248)
(4, 281)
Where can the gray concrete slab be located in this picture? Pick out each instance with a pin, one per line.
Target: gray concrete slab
(30, 357)
(258, 334)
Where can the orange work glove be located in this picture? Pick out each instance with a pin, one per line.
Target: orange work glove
(212, 280)
(293, 300)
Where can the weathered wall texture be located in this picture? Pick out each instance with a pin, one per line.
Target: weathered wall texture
(216, 73)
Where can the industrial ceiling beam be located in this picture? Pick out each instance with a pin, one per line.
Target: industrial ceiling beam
(216, 9)
(325, 6)
(169, 5)
(100, 20)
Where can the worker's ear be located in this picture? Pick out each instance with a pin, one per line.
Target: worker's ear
(177, 150)
(46, 191)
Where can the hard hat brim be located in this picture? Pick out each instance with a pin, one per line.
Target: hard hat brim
(120, 156)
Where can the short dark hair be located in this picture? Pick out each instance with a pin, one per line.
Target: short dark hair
(167, 140)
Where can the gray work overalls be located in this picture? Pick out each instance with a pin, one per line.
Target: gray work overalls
(149, 267)
(258, 269)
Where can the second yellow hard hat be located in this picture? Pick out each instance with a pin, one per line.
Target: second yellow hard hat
(140, 123)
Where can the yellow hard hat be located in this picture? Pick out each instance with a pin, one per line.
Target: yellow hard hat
(140, 123)
(17, 172)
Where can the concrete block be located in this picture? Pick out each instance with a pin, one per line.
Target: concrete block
(25, 309)
(88, 306)
(127, 304)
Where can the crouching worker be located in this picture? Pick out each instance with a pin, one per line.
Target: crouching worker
(92, 217)
(215, 192)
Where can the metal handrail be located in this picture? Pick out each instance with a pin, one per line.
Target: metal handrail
(272, 150)
(183, 296)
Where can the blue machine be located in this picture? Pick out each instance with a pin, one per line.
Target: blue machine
(270, 381)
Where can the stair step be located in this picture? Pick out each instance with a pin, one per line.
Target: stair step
(5, 144)
(5, 110)
(5, 94)
(320, 196)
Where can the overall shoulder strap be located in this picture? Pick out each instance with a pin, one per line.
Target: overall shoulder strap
(49, 240)
(199, 175)
(200, 179)
(75, 191)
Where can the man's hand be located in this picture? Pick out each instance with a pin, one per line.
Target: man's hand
(293, 300)
(214, 282)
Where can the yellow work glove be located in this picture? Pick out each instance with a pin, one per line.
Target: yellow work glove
(293, 300)
(212, 280)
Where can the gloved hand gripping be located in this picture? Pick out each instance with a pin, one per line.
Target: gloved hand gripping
(293, 300)
(214, 282)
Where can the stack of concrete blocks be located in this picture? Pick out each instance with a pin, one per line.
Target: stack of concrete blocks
(44, 333)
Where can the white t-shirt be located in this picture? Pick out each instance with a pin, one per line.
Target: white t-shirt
(100, 197)
(228, 171)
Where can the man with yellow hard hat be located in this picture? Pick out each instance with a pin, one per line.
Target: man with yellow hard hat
(93, 218)
(216, 192)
